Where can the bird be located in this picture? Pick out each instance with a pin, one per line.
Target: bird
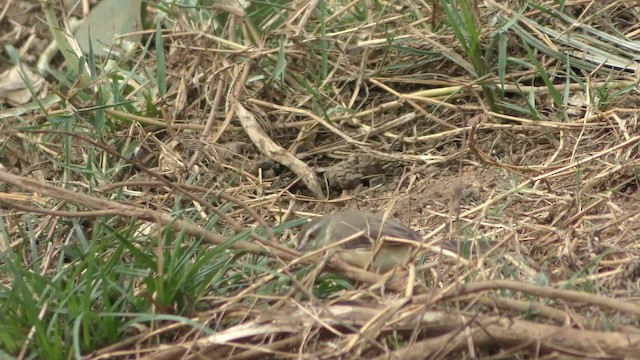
(330, 229)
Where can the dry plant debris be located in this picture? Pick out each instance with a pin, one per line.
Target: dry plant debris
(501, 122)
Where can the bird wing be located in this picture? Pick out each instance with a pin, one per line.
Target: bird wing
(372, 232)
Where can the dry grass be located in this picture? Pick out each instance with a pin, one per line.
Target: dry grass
(511, 129)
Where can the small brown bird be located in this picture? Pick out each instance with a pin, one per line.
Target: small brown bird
(329, 229)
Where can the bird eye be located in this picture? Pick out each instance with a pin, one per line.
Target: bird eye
(308, 241)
